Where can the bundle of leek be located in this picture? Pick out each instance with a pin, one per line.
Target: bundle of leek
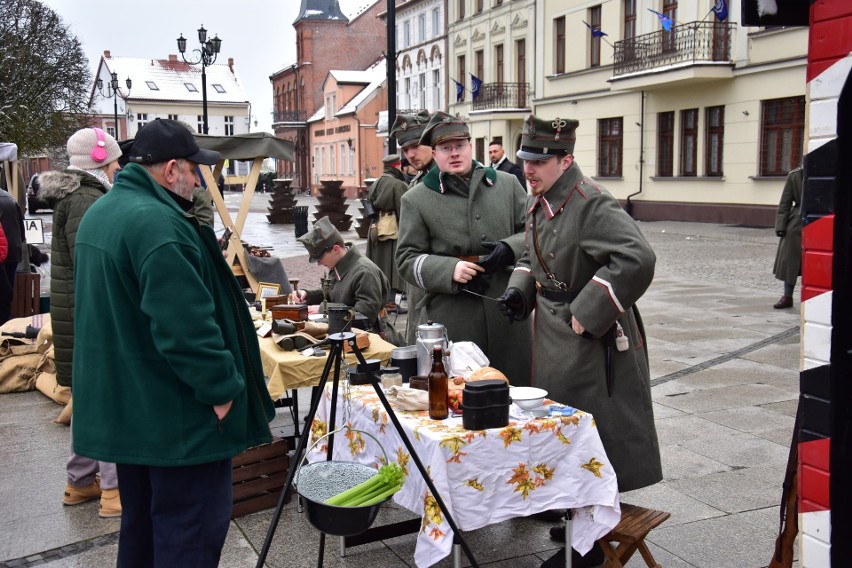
(385, 483)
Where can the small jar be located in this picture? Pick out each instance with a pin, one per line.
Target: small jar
(391, 377)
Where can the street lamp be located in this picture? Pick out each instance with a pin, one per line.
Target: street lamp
(112, 91)
(206, 56)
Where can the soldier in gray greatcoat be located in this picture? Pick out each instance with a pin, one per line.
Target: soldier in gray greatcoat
(788, 226)
(585, 265)
(407, 129)
(385, 195)
(461, 229)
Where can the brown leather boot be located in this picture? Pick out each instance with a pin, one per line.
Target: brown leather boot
(783, 303)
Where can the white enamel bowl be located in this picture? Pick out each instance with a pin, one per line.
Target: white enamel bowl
(528, 398)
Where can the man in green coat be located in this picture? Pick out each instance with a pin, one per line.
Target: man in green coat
(584, 266)
(385, 195)
(168, 381)
(788, 227)
(461, 229)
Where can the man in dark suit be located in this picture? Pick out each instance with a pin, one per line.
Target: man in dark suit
(499, 161)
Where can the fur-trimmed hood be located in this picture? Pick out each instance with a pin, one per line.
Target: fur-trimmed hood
(57, 185)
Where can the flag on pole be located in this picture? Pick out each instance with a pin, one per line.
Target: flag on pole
(477, 82)
(665, 21)
(596, 32)
(459, 90)
(720, 8)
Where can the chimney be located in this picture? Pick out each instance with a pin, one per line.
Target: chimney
(107, 54)
(172, 57)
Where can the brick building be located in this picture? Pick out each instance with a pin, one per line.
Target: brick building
(325, 39)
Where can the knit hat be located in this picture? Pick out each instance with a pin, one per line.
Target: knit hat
(443, 127)
(541, 138)
(92, 148)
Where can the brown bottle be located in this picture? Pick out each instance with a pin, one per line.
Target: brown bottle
(438, 380)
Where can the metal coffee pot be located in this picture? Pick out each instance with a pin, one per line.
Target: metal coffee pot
(429, 335)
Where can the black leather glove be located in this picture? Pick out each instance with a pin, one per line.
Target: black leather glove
(780, 233)
(511, 303)
(500, 257)
(478, 284)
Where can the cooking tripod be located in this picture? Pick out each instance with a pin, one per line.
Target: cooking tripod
(335, 357)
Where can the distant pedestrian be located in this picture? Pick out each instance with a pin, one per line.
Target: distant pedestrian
(499, 161)
(385, 195)
(788, 226)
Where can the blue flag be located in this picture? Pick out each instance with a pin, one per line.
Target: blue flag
(720, 8)
(596, 32)
(459, 90)
(477, 82)
(665, 21)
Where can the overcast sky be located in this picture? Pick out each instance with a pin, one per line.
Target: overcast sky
(258, 34)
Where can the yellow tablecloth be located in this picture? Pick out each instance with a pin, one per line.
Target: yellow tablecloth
(486, 476)
(290, 369)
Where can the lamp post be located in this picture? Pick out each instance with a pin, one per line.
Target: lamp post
(206, 56)
(112, 91)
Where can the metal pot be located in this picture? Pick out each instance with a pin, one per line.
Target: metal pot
(429, 335)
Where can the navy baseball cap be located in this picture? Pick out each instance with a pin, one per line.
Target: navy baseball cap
(163, 140)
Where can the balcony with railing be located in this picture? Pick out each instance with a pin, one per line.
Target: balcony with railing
(500, 96)
(289, 116)
(687, 45)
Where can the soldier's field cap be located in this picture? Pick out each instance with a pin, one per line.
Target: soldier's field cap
(443, 127)
(391, 159)
(542, 138)
(407, 128)
(320, 239)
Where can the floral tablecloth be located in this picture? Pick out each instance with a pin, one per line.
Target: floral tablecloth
(483, 476)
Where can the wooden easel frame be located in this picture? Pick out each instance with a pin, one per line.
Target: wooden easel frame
(240, 266)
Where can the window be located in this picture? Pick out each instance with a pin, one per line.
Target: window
(715, 140)
(111, 131)
(479, 154)
(688, 142)
(595, 42)
(479, 67)
(406, 93)
(322, 161)
(152, 85)
(462, 71)
(521, 72)
(782, 124)
(219, 88)
(229, 126)
(436, 22)
(331, 106)
(665, 144)
(421, 92)
(461, 9)
(436, 89)
(406, 33)
(352, 160)
(190, 87)
(141, 119)
(343, 169)
(498, 62)
(173, 117)
(629, 19)
(332, 158)
(670, 10)
(609, 147)
(317, 160)
(421, 27)
(479, 6)
(200, 124)
(559, 47)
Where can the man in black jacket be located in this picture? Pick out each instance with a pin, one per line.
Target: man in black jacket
(499, 161)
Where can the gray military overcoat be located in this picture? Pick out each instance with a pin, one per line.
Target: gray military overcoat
(385, 195)
(445, 218)
(788, 257)
(590, 244)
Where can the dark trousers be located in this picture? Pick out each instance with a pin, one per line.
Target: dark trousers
(7, 287)
(173, 516)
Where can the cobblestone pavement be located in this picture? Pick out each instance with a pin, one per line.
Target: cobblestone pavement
(724, 369)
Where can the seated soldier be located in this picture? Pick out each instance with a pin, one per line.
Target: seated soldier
(356, 281)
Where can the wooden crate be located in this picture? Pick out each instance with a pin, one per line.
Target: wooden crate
(259, 475)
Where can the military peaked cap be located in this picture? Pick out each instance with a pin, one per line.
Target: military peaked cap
(541, 138)
(407, 128)
(391, 159)
(444, 127)
(320, 239)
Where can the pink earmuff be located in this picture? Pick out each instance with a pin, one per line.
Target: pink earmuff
(99, 153)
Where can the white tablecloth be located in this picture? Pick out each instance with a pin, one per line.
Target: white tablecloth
(483, 477)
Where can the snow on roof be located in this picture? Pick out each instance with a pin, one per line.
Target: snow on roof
(378, 76)
(350, 77)
(169, 80)
(317, 116)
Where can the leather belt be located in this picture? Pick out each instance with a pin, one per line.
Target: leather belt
(566, 296)
(472, 258)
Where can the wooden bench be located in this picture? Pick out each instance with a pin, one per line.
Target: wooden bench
(26, 296)
(629, 533)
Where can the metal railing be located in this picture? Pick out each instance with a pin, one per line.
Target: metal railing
(289, 116)
(502, 96)
(691, 42)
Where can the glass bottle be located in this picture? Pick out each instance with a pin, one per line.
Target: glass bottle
(438, 386)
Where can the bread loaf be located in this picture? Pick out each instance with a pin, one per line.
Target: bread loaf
(487, 373)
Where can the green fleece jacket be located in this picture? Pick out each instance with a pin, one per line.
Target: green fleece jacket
(162, 334)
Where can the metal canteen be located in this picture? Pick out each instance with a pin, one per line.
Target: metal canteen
(429, 335)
